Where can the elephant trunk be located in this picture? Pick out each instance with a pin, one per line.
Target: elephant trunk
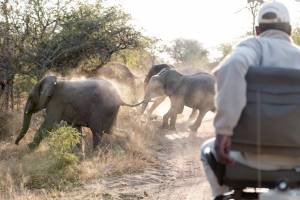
(26, 121)
(145, 102)
(144, 106)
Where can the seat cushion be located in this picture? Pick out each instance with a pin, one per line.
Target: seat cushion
(241, 176)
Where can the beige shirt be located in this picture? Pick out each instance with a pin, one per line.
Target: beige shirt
(271, 49)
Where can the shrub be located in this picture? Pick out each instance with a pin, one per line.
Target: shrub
(56, 167)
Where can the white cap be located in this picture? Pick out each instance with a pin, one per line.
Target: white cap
(273, 12)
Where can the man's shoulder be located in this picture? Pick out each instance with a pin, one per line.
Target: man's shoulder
(296, 46)
(252, 42)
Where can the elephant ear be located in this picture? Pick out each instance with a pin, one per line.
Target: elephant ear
(171, 81)
(46, 89)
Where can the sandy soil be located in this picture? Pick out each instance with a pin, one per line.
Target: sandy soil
(179, 174)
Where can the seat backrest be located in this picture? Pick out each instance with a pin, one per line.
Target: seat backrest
(270, 122)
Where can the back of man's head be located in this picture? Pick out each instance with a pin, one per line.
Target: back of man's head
(274, 15)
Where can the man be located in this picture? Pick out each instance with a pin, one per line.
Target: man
(272, 48)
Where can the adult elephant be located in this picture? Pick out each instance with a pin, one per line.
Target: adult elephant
(119, 73)
(91, 103)
(195, 91)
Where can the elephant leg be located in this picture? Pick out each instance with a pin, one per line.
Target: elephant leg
(101, 122)
(81, 144)
(42, 132)
(173, 120)
(96, 139)
(110, 120)
(97, 134)
(155, 104)
(193, 115)
(198, 121)
(166, 118)
(177, 107)
(52, 117)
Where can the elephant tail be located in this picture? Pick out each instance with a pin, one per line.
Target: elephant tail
(132, 105)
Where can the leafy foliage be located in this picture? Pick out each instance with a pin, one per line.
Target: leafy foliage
(57, 166)
(62, 142)
(87, 33)
(133, 58)
(187, 51)
(225, 49)
(42, 35)
(296, 35)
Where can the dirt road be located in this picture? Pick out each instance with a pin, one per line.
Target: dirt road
(179, 175)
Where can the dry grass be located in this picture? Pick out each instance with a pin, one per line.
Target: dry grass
(125, 151)
(8, 124)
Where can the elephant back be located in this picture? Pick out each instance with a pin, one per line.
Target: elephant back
(201, 81)
(154, 70)
(88, 90)
(198, 89)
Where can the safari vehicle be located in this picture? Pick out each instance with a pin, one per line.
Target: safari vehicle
(269, 123)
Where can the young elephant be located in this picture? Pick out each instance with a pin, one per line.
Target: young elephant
(154, 70)
(195, 91)
(90, 103)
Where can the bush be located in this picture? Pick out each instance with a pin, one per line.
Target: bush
(62, 142)
(56, 167)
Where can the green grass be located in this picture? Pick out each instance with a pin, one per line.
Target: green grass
(57, 167)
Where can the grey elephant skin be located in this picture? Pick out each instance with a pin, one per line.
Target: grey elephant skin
(154, 70)
(195, 91)
(91, 103)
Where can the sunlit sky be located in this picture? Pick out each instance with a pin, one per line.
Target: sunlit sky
(211, 22)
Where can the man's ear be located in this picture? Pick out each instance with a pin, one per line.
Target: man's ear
(257, 30)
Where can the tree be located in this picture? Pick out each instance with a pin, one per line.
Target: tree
(253, 6)
(225, 49)
(137, 58)
(88, 33)
(41, 35)
(187, 51)
(296, 35)
(24, 24)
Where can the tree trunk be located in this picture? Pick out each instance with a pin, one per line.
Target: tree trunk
(6, 97)
(11, 94)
